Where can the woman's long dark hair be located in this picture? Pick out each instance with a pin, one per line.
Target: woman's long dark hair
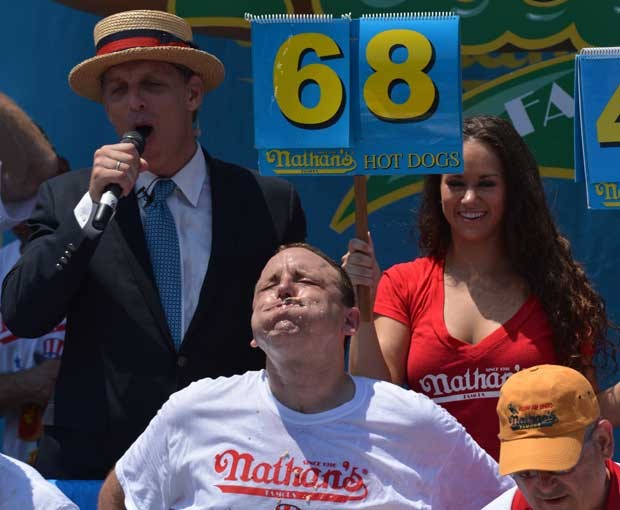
(537, 251)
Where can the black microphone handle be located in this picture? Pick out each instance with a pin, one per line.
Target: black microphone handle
(107, 206)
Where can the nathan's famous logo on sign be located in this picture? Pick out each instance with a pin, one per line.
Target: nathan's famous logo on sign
(299, 162)
(610, 193)
(287, 479)
(342, 161)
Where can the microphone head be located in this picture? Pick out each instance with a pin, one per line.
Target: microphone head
(138, 138)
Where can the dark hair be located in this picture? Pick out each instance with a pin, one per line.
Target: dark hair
(537, 251)
(344, 282)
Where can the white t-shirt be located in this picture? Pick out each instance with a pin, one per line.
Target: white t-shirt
(24, 488)
(22, 426)
(229, 444)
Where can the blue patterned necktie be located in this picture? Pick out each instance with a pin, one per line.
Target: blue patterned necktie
(163, 243)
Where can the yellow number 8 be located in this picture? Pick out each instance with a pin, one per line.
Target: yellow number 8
(422, 92)
(289, 79)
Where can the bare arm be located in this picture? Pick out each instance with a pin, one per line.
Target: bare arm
(34, 385)
(379, 349)
(111, 496)
(27, 157)
(609, 399)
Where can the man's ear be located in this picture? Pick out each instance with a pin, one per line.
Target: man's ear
(195, 93)
(254, 344)
(351, 321)
(604, 438)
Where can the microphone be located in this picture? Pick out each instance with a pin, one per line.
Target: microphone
(112, 193)
(148, 193)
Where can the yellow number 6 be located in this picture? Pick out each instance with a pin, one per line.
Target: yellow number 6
(289, 79)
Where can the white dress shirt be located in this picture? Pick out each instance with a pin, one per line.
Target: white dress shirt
(190, 205)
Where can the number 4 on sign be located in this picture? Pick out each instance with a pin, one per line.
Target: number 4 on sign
(608, 122)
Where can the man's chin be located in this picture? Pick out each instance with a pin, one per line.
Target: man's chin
(555, 503)
(284, 326)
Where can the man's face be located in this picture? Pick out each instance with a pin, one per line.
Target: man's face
(297, 296)
(583, 488)
(155, 95)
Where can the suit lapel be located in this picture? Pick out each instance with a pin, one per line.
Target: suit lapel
(128, 231)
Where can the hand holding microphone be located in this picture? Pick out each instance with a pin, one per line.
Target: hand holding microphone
(115, 170)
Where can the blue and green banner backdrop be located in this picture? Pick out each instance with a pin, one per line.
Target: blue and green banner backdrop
(517, 60)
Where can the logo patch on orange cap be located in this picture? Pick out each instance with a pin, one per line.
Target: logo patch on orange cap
(520, 421)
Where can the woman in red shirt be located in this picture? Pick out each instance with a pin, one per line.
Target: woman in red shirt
(496, 290)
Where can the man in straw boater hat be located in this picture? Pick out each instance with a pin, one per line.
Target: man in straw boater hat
(555, 444)
(161, 296)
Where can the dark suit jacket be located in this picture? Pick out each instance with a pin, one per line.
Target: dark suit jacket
(119, 364)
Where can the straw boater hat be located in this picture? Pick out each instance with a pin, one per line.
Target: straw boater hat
(143, 35)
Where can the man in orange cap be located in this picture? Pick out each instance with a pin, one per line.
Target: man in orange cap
(160, 295)
(555, 444)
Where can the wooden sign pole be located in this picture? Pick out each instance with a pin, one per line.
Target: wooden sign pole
(361, 232)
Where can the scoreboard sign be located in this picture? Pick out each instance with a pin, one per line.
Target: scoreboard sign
(597, 125)
(375, 96)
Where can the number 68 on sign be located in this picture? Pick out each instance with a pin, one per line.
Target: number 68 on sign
(372, 96)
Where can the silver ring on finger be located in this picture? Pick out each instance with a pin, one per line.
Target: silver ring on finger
(118, 166)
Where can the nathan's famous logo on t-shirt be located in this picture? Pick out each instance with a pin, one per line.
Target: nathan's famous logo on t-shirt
(464, 386)
(287, 478)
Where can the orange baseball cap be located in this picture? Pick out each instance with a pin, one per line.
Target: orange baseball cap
(543, 414)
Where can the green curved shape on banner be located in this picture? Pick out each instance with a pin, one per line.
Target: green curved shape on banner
(486, 25)
(551, 135)
(544, 90)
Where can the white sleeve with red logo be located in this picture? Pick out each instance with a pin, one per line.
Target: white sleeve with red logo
(23, 425)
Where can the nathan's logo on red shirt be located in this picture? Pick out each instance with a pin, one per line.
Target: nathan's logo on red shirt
(469, 385)
(283, 479)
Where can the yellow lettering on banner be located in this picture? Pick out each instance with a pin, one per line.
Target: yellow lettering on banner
(431, 160)
(607, 126)
(607, 190)
(422, 90)
(311, 162)
(382, 161)
(289, 78)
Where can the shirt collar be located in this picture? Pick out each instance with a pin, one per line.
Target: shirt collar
(190, 179)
